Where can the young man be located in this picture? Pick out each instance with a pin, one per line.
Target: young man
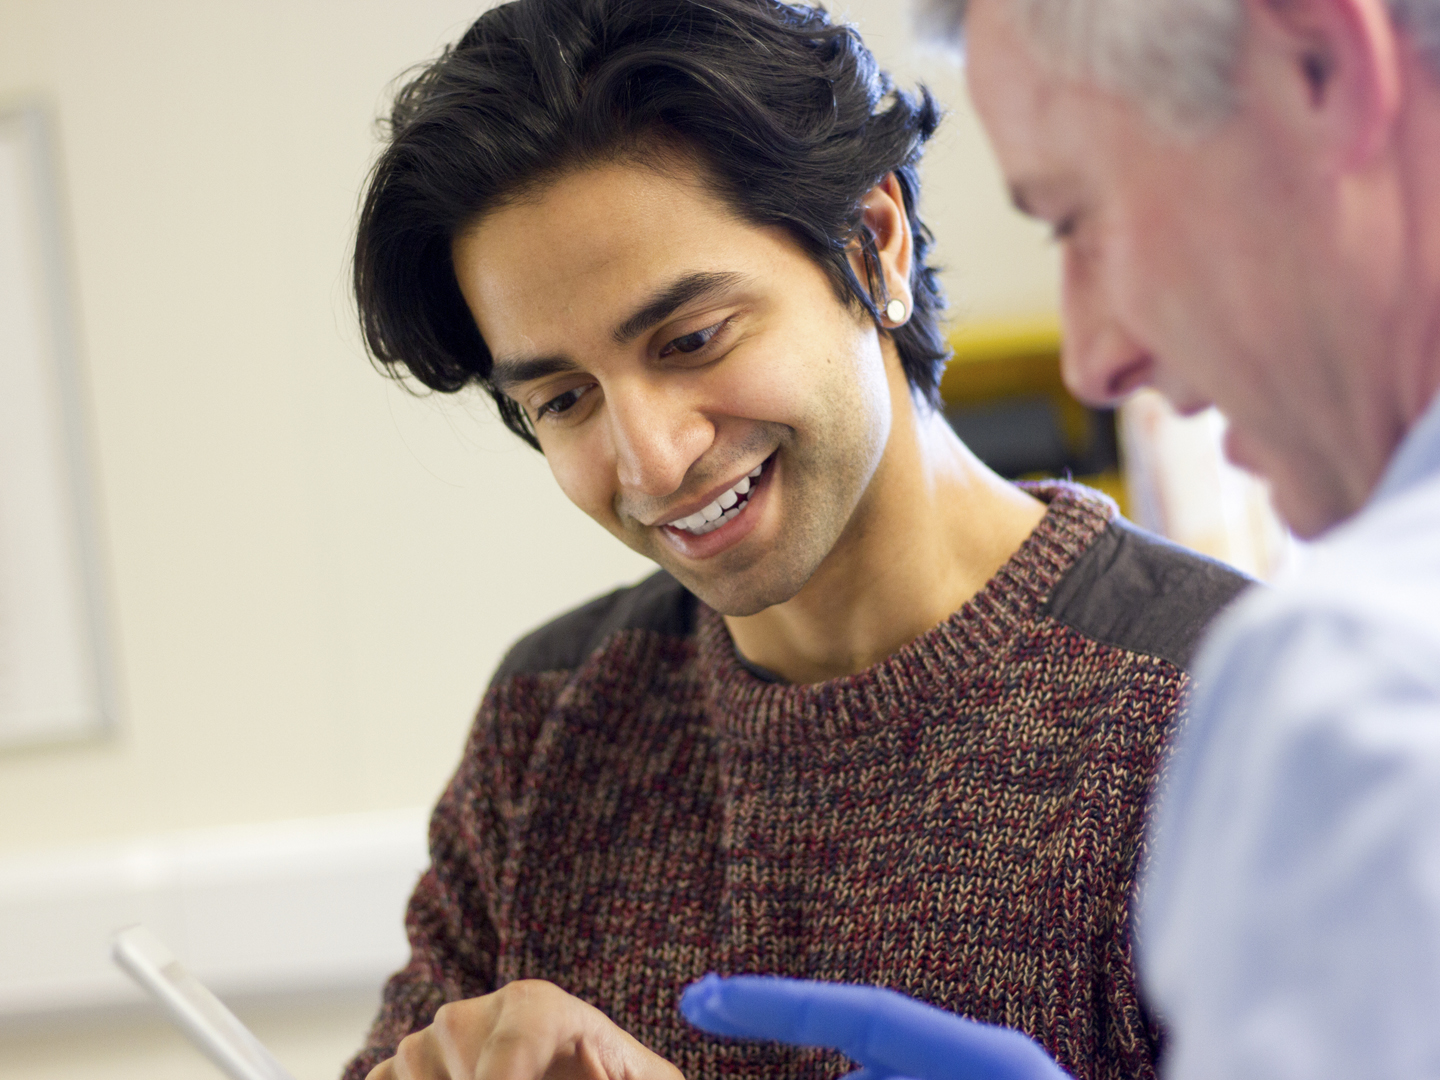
(1248, 197)
(882, 716)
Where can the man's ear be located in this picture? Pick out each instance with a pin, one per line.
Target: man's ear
(889, 226)
(1334, 66)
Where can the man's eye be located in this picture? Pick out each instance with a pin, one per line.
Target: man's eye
(1064, 228)
(693, 342)
(556, 406)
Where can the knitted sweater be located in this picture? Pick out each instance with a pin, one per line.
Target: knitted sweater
(960, 822)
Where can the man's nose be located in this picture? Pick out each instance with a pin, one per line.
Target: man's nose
(657, 435)
(1101, 360)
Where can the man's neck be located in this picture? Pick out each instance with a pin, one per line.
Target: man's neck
(934, 526)
(1415, 381)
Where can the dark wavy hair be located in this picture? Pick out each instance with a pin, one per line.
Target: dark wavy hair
(787, 114)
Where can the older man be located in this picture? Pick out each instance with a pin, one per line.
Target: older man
(1247, 195)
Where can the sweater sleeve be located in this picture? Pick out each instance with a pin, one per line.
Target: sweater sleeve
(451, 917)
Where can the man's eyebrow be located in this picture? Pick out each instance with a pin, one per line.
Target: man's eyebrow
(510, 372)
(672, 297)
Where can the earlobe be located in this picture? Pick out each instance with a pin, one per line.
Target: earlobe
(888, 225)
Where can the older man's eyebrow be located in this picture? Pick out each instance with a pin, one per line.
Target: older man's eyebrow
(670, 298)
(511, 371)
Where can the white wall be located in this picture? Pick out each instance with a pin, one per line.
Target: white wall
(311, 573)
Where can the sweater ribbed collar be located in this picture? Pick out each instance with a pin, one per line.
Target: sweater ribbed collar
(751, 709)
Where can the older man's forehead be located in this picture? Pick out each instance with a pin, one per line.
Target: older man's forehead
(1015, 91)
(1026, 121)
(1056, 135)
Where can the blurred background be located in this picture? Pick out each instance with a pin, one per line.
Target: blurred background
(272, 583)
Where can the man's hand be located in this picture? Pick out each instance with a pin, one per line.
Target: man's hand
(527, 1030)
(888, 1034)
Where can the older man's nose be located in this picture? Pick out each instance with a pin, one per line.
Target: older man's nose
(1101, 368)
(656, 437)
(1101, 361)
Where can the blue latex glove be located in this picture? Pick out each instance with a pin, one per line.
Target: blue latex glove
(888, 1034)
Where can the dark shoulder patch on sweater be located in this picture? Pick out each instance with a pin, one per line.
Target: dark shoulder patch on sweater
(659, 603)
(1141, 593)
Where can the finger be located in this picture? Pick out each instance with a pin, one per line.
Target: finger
(541, 1031)
(880, 1029)
(621, 1056)
(515, 1055)
(459, 1031)
(419, 1057)
(835, 1015)
(571, 1042)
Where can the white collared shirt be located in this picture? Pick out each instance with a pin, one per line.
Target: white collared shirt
(1290, 916)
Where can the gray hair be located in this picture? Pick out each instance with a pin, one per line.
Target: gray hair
(1177, 57)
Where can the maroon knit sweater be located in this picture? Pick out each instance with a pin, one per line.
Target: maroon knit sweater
(961, 822)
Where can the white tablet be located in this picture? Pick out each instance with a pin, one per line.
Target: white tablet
(195, 1010)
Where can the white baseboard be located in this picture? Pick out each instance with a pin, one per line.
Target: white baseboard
(291, 907)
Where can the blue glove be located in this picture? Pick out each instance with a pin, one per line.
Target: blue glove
(888, 1034)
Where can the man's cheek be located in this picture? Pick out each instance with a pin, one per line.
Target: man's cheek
(586, 481)
(762, 387)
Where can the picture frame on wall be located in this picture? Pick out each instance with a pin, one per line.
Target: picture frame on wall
(54, 658)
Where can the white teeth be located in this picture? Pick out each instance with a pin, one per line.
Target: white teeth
(721, 510)
(711, 526)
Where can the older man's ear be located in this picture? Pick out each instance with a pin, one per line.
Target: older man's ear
(1330, 72)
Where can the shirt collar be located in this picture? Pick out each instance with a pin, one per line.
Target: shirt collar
(1417, 459)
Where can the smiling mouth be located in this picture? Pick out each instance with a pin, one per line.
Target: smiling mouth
(725, 509)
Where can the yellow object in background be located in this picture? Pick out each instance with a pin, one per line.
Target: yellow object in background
(1004, 394)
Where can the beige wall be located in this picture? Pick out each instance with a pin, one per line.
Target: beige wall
(312, 574)
(312, 1036)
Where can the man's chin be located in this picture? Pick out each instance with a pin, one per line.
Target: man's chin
(739, 587)
(1305, 514)
(1302, 506)
(736, 595)
(1311, 501)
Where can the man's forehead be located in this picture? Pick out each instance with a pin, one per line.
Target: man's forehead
(1047, 127)
(581, 222)
(605, 203)
(1041, 147)
(1017, 95)
(593, 244)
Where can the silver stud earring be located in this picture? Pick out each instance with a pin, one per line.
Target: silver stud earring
(895, 311)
